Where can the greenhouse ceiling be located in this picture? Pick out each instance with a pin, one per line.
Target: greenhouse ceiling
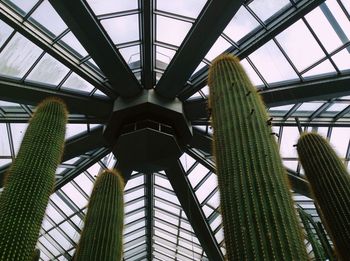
(92, 53)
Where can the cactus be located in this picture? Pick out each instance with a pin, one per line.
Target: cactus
(36, 255)
(330, 186)
(259, 219)
(329, 251)
(308, 223)
(102, 236)
(30, 181)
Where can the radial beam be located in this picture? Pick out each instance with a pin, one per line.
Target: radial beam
(74, 147)
(82, 22)
(255, 41)
(85, 164)
(48, 45)
(189, 202)
(81, 144)
(315, 90)
(148, 53)
(149, 183)
(209, 25)
(31, 94)
(284, 94)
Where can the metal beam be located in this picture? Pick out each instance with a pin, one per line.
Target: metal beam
(193, 210)
(75, 119)
(284, 94)
(74, 147)
(298, 184)
(255, 41)
(48, 45)
(80, 19)
(85, 164)
(203, 142)
(81, 144)
(148, 50)
(149, 186)
(209, 25)
(31, 94)
(315, 90)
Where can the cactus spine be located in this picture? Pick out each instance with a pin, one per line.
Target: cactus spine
(30, 181)
(330, 186)
(259, 218)
(102, 236)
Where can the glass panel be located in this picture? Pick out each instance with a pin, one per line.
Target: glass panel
(74, 195)
(219, 47)
(205, 189)
(323, 68)
(47, 16)
(190, 8)
(110, 6)
(175, 36)
(241, 24)
(63, 206)
(17, 132)
(289, 139)
(340, 139)
(134, 182)
(340, 16)
(267, 8)
(300, 46)
(48, 70)
(74, 129)
(5, 32)
(17, 57)
(309, 107)
(75, 82)
(85, 183)
(197, 174)
(122, 29)
(337, 107)
(163, 57)
(70, 40)
(131, 54)
(134, 195)
(24, 6)
(253, 76)
(272, 64)
(342, 60)
(346, 3)
(4, 143)
(163, 182)
(323, 29)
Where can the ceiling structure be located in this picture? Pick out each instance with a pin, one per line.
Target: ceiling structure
(92, 53)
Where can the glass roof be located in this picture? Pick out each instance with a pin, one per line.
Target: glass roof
(284, 45)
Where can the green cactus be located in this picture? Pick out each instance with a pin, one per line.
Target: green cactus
(306, 219)
(330, 186)
(259, 219)
(102, 236)
(36, 255)
(30, 181)
(329, 251)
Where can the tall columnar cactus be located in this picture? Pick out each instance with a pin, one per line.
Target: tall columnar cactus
(36, 255)
(330, 186)
(319, 252)
(102, 236)
(30, 181)
(259, 218)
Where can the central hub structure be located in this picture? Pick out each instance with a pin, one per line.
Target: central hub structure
(147, 132)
